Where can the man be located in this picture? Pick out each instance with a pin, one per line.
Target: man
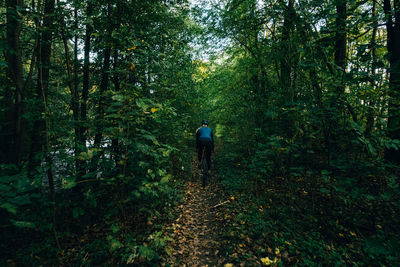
(204, 138)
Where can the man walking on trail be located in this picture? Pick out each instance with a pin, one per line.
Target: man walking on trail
(204, 138)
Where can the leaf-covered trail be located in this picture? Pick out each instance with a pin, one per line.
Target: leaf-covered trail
(196, 231)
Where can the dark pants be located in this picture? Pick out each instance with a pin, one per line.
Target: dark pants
(209, 147)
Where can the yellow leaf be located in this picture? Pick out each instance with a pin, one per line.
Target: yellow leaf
(153, 110)
(228, 265)
(341, 235)
(277, 251)
(352, 233)
(131, 48)
(267, 261)
(132, 66)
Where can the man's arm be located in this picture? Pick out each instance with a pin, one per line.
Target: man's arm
(197, 137)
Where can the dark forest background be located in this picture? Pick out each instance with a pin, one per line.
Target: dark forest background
(100, 100)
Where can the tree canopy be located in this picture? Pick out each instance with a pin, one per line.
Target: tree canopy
(100, 101)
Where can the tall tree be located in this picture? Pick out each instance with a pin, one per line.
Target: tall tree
(370, 114)
(40, 131)
(103, 85)
(86, 73)
(340, 43)
(15, 74)
(72, 81)
(392, 14)
(286, 49)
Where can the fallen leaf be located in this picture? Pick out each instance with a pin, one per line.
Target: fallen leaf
(267, 261)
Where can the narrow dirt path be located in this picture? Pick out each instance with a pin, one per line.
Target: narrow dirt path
(196, 232)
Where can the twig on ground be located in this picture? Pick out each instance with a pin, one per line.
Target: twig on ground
(220, 204)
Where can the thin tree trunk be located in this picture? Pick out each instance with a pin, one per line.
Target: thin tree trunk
(76, 66)
(15, 75)
(34, 57)
(285, 64)
(86, 71)
(340, 44)
(115, 144)
(74, 93)
(103, 88)
(117, 87)
(370, 114)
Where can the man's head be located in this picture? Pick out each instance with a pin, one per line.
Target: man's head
(204, 122)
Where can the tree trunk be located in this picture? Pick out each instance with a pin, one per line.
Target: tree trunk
(340, 34)
(371, 113)
(74, 93)
(40, 129)
(286, 66)
(103, 88)
(115, 145)
(393, 50)
(85, 87)
(13, 138)
(340, 45)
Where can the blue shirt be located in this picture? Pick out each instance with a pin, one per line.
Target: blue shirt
(205, 133)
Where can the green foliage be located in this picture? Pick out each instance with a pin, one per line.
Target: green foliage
(302, 132)
(89, 178)
(116, 168)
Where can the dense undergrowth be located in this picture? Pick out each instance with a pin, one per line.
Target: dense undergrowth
(112, 221)
(126, 228)
(309, 217)
(100, 100)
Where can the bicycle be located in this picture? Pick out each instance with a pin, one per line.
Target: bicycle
(204, 167)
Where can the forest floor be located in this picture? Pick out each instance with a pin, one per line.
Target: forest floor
(196, 234)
